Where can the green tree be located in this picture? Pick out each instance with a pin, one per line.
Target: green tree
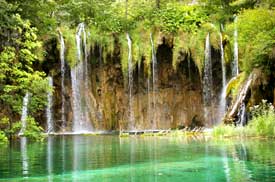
(18, 53)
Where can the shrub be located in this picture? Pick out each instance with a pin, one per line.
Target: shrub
(227, 131)
(262, 123)
(3, 138)
(263, 120)
(33, 130)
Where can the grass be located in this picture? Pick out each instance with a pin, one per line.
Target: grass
(262, 124)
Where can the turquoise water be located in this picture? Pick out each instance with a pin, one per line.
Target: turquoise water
(137, 159)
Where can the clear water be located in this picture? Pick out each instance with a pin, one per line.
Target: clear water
(144, 159)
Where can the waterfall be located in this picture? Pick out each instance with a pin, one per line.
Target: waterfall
(207, 81)
(235, 70)
(149, 108)
(80, 85)
(50, 124)
(223, 63)
(24, 114)
(62, 59)
(222, 104)
(242, 115)
(130, 83)
(154, 81)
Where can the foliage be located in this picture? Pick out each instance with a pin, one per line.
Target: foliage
(25, 23)
(103, 39)
(70, 45)
(18, 72)
(262, 124)
(17, 58)
(33, 130)
(39, 12)
(263, 120)
(228, 131)
(235, 84)
(177, 16)
(256, 35)
(3, 138)
(192, 44)
(188, 24)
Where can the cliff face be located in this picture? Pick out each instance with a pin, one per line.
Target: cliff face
(175, 102)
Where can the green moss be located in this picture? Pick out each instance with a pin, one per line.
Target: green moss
(141, 49)
(103, 39)
(192, 43)
(70, 45)
(181, 45)
(235, 84)
(227, 50)
(124, 54)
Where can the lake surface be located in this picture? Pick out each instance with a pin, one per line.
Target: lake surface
(137, 159)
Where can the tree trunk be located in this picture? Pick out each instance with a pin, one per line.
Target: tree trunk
(233, 110)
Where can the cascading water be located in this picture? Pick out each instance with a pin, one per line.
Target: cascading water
(242, 115)
(50, 125)
(223, 63)
(62, 59)
(149, 108)
(207, 81)
(24, 114)
(80, 86)
(154, 79)
(130, 84)
(235, 69)
(222, 104)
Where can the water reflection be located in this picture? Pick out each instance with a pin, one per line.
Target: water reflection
(63, 155)
(76, 155)
(24, 156)
(225, 164)
(50, 158)
(152, 159)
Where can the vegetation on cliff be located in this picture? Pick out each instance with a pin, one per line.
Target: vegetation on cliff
(27, 25)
